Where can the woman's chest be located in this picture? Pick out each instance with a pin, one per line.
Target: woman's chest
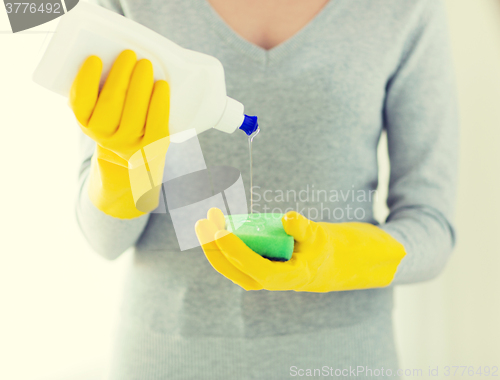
(327, 84)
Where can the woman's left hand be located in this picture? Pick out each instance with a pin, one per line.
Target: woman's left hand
(327, 256)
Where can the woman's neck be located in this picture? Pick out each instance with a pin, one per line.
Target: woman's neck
(267, 23)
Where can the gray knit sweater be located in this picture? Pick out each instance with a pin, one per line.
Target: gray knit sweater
(323, 98)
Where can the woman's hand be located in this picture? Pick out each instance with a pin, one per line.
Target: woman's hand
(327, 256)
(128, 120)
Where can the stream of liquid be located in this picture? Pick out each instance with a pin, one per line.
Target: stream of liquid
(250, 141)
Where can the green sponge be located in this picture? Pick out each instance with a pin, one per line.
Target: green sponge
(263, 233)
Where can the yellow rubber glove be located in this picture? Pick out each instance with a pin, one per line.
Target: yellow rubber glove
(327, 256)
(128, 120)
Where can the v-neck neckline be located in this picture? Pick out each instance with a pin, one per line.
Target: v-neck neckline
(253, 51)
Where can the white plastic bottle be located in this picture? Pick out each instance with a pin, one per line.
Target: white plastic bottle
(197, 84)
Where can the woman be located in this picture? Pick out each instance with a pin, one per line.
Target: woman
(325, 79)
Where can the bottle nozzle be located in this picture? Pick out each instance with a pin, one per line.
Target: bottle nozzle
(250, 125)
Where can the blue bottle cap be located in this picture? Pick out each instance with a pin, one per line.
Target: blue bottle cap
(249, 125)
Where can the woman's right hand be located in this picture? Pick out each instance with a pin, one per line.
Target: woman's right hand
(128, 120)
(129, 113)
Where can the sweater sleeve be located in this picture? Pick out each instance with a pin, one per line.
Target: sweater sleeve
(108, 236)
(421, 119)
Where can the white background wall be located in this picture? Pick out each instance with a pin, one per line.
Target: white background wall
(57, 297)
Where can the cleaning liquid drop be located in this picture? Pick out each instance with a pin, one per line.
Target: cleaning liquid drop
(250, 126)
(254, 221)
(250, 141)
